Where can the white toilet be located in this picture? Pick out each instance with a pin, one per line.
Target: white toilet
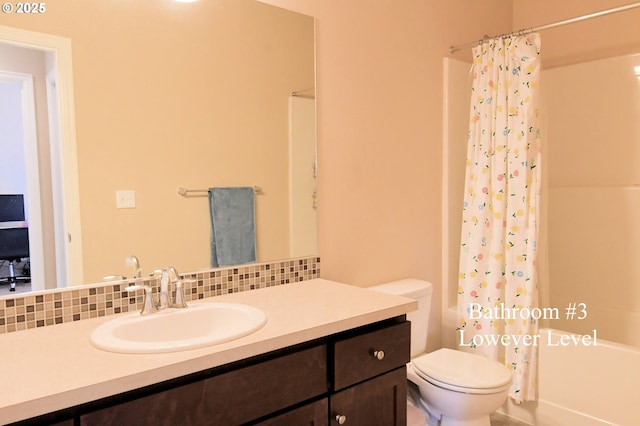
(454, 388)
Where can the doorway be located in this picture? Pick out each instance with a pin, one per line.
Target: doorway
(20, 172)
(58, 208)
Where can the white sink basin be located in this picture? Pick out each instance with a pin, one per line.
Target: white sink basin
(175, 330)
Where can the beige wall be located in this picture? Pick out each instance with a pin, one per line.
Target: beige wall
(172, 95)
(379, 92)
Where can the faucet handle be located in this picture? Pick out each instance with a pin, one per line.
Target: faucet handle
(179, 301)
(156, 273)
(148, 305)
(132, 261)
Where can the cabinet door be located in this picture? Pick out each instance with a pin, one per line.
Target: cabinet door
(314, 414)
(232, 398)
(381, 401)
(259, 390)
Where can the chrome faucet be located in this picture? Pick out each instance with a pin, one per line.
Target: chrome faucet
(171, 276)
(168, 276)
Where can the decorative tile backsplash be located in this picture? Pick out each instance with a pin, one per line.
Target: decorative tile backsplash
(83, 302)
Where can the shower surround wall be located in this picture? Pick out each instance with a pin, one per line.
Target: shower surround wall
(566, 395)
(53, 307)
(593, 165)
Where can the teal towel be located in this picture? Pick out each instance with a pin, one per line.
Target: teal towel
(233, 230)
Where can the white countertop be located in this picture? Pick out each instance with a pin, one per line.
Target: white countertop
(50, 368)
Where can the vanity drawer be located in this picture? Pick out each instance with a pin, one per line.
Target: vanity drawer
(370, 354)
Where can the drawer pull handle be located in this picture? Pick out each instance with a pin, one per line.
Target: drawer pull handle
(379, 355)
(341, 419)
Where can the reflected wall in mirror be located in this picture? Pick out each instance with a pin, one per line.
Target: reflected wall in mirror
(593, 169)
(183, 95)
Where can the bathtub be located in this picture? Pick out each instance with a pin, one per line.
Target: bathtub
(586, 385)
(583, 385)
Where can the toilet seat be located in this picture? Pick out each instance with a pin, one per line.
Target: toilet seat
(462, 372)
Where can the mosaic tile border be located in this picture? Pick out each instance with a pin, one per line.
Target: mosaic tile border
(98, 300)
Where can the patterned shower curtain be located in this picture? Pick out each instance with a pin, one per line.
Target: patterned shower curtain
(498, 276)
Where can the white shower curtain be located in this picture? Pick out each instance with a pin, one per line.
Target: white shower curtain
(500, 212)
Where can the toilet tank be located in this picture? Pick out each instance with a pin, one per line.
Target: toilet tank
(421, 291)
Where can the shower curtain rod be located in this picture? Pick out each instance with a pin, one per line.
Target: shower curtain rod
(552, 25)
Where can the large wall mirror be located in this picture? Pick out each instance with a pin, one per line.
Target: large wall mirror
(172, 95)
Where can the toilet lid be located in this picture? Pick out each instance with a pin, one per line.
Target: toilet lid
(462, 370)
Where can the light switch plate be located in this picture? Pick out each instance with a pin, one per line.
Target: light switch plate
(125, 199)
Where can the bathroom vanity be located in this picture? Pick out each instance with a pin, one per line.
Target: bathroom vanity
(329, 354)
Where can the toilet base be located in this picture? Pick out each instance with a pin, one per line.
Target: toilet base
(437, 419)
(446, 407)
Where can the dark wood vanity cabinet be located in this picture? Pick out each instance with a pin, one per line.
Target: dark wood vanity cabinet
(231, 398)
(379, 401)
(354, 378)
(312, 414)
(369, 377)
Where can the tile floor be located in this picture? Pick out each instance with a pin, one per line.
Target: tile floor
(498, 419)
(21, 287)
